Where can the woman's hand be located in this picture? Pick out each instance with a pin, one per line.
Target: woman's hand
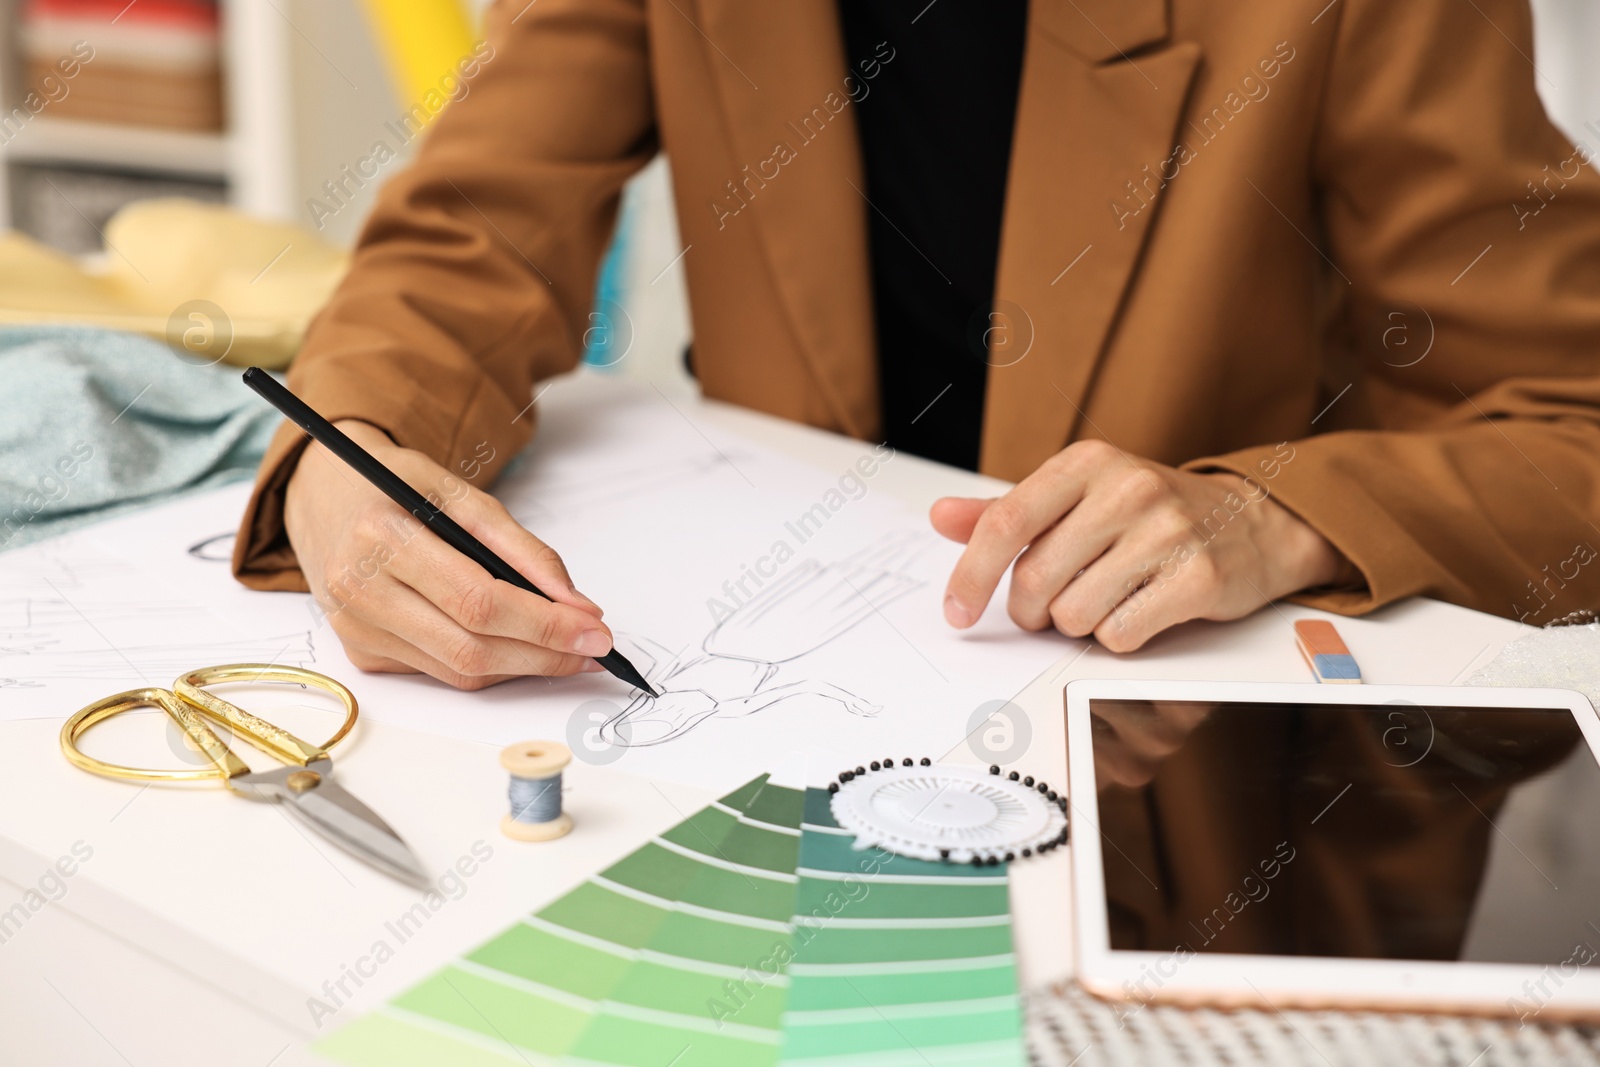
(402, 600)
(1122, 548)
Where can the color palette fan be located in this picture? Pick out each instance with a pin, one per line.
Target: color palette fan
(898, 962)
(743, 936)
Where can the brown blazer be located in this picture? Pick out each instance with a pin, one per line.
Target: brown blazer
(1230, 224)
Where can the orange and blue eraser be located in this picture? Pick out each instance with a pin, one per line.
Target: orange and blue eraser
(1325, 652)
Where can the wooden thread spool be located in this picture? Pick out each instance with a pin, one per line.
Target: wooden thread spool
(535, 790)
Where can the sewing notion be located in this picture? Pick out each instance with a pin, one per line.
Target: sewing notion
(955, 814)
(304, 785)
(535, 791)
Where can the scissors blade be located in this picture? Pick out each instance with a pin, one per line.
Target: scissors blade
(337, 815)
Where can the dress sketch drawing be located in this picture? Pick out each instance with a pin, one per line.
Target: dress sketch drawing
(753, 659)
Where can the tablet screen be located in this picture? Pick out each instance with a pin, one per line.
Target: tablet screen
(1390, 831)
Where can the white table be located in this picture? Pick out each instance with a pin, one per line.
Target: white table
(97, 977)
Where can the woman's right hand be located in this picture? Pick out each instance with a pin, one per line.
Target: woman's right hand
(402, 600)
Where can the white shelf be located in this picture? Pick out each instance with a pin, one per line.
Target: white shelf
(256, 159)
(307, 92)
(47, 140)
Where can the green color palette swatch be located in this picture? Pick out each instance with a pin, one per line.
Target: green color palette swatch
(718, 1001)
(897, 961)
(528, 995)
(748, 935)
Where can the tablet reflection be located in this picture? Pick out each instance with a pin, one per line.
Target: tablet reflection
(1346, 830)
(1132, 737)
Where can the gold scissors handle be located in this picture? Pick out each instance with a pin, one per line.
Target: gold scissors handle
(272, 739)
(224, 764)
(189, 705)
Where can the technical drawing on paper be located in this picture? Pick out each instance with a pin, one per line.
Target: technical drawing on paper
(43, 639)
(620, 487)
(752, 659)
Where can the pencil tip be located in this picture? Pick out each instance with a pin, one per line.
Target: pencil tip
(618, 665)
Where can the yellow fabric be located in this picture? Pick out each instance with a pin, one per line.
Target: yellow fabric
(423, 41)
(165, 256)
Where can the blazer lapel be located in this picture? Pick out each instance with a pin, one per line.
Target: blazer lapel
(1102, 95)
(779, 70)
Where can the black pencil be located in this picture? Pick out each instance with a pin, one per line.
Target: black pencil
(449, 531)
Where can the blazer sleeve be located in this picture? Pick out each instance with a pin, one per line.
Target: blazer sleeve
(474, 275)
(1463, 463)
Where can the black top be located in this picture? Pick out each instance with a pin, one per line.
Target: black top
(935, 124)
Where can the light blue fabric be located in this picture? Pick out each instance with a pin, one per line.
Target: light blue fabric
(609, 332)
(94, 422)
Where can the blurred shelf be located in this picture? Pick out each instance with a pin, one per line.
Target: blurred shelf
(96, 144)
(294, 72)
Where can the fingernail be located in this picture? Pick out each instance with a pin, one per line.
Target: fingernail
(956, 613)
(591, 667)
(597, 608)
(592, 643)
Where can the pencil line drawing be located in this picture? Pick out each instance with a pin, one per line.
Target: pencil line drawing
(218, 548)
(43, 640)
(752, 659)
(543, 499)
(61, 563)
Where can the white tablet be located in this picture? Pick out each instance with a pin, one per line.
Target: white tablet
(1391, 847)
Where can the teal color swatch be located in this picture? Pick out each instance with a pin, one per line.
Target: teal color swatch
(897, 961)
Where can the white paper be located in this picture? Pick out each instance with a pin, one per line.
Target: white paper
(780, 606)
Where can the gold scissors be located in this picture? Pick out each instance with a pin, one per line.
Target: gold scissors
(305, 784)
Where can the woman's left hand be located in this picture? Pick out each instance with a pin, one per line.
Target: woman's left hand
(1122, 548)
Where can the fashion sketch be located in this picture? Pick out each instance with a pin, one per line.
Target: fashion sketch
(46, 639)
(753, 659)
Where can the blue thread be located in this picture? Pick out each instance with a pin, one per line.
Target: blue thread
(535, 800)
